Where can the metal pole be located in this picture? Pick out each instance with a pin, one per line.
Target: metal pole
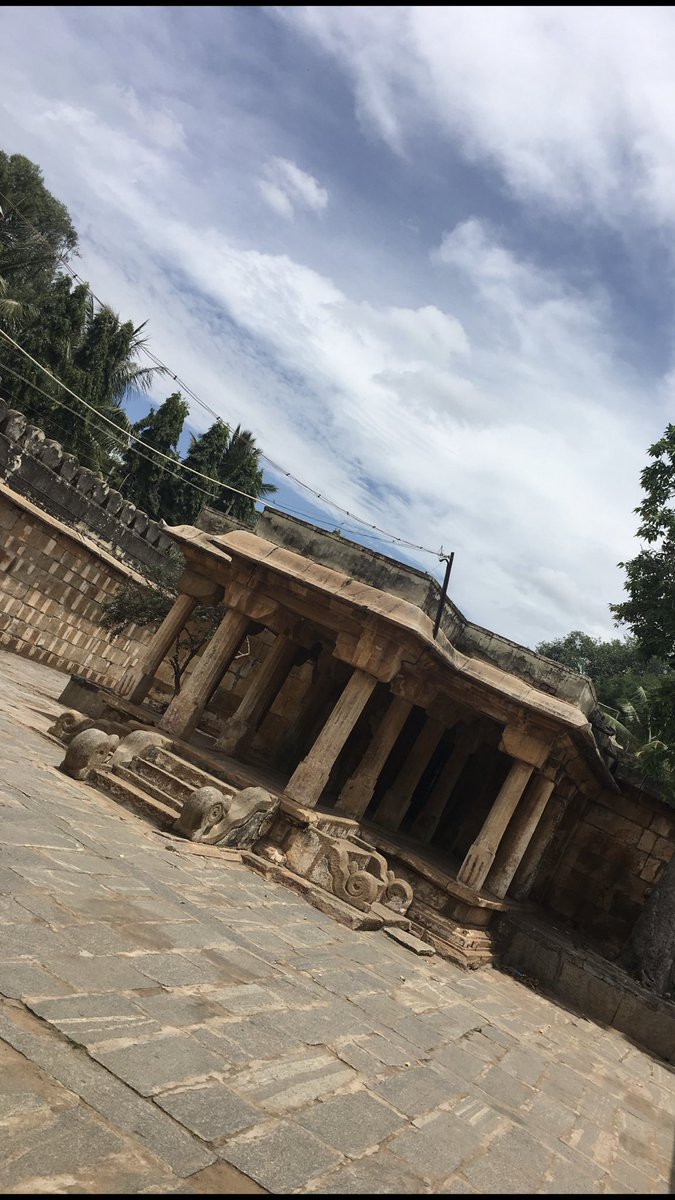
(444, 592)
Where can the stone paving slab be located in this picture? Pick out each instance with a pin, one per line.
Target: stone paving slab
(173, 1023)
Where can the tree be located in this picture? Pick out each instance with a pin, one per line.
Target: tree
(93, 353)
(106, 369)
(51, 333)
(649, 610)
(240, 468)
(187, 495)
(147, 604)
(143, 475)
(227, 457)
(31, 260)
(618, 667)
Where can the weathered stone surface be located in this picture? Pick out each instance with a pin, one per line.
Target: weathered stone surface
(136, 743)
(87, 752)
(281, 1159)
(209, 816)
(299, 1018)
(437, 1147)
(410, 942)
(154, 1065)
(353, 1123)
(211, 1111)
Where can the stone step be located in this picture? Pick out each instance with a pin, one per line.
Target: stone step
(129, 796)
(129, 773)
(184, 771)
(229, 773)
(156, 778)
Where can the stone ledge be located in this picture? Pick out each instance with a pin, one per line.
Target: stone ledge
(591, 984)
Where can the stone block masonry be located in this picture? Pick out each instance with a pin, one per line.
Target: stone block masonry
(39, 469)
(606, 856)
(52, 582)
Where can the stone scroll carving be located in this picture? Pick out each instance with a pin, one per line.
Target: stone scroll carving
(209, 815)
(348, 867)
(361, 876)
(89, 751)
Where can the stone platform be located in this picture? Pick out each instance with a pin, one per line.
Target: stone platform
(171, 1021)
(451, 917)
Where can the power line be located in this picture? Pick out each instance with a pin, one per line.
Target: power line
(336, 537)
(134, 440)
(100, 429)
(392, 539)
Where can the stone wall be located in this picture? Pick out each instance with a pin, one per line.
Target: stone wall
(606, 854)
(39, 469)
(52, 582)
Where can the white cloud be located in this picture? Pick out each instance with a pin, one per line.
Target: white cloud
(286, 187)
(158, 125)
(573, 106)
(481, 405)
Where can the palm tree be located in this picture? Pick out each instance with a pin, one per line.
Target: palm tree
(240, 468)
(638, 722)
(9, 309)
(105, 371)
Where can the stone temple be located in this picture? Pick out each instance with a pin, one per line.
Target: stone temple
(438, 763)
(345, 731)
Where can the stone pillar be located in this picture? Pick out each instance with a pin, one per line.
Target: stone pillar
(137, 680)
(312, 705)
(480, 857)
(182, 716)
(396, 800)
(262, 691)
(526, 873)
(427, 821)
(311, 776)
(519, 834)
(358, 790)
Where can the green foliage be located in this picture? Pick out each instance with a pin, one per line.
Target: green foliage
(634, 692)
(30, 261)
(147, 480)
(617, 667)
(240, 468)
(649, 610)
(96, 355)
(145, 605)
(229, 456)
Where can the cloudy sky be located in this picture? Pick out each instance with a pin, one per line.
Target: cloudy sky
(426, 255)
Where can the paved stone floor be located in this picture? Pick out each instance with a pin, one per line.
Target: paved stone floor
(173, 1023)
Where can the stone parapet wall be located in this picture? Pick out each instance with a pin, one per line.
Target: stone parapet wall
(39, 469)
(52, 582)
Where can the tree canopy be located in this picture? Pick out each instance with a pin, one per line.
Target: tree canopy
(649, 611)
(617, 667)
(96, 354)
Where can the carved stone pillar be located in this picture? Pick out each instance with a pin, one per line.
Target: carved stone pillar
(311, 776)
(396, 800)
(137, 680)
(182, 716)
(542, 837)
(427, 821)
(358, 790)
(519, 833)
(262, 691)
(480, 857)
